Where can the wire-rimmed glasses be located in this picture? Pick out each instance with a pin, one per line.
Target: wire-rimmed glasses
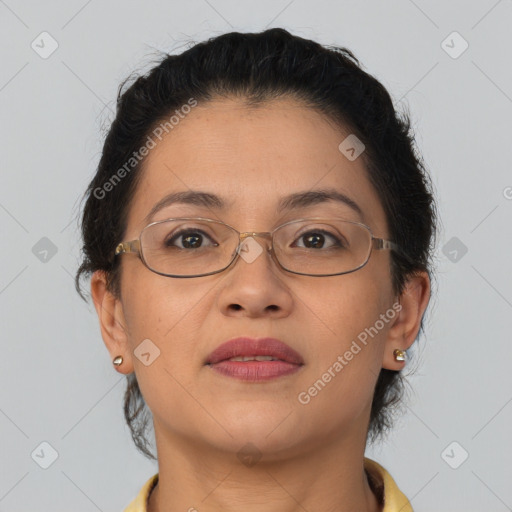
(197, 246)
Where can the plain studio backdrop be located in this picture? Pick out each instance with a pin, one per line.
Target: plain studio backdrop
(64, 444)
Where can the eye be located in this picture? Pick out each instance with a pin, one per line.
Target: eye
(316, 239)
(190, 239)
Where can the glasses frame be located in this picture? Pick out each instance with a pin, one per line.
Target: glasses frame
(135, 246)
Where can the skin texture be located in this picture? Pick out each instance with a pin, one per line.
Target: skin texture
(311, 455)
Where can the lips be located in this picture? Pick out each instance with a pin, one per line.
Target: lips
(252, 347)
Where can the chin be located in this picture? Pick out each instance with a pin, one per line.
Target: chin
(270, 432)
(258, 445)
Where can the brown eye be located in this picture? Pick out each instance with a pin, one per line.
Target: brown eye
(190, 239)
(317, 239)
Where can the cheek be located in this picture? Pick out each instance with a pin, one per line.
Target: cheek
(346, 327)
(347, 304)
(167, 311)
(348, 349)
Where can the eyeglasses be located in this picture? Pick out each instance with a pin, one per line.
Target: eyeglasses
(196, 246)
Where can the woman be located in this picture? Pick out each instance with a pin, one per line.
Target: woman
(259, 233)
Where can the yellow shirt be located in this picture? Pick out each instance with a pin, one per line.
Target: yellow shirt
(381, 483)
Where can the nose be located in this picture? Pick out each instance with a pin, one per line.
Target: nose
(255, 286)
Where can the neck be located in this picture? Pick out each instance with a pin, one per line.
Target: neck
(329, 477)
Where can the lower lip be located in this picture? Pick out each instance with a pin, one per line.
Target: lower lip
(255, 371)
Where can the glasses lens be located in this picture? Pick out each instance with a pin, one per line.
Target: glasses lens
(194, 247)
(186, 247)
(322, 246)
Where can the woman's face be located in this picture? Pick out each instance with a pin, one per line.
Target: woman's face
(252, 159)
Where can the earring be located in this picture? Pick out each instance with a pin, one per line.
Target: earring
(399, 354)
(118, 360)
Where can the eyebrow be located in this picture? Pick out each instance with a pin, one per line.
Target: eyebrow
(294, 201)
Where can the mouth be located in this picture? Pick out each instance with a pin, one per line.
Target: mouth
(253, 349)
(253, 359)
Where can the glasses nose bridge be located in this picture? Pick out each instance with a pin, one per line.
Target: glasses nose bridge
(261, 234)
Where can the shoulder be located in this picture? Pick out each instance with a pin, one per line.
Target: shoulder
(139, 504)
(384, 486)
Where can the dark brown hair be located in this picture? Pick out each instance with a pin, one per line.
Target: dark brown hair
(258, 67)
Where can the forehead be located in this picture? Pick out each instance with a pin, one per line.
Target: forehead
(252, 158)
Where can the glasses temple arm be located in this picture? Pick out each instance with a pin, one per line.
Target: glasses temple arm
(380, 243)
(125, 247)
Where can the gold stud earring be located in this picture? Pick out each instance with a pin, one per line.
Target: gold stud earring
(118, 360)
(399, 354)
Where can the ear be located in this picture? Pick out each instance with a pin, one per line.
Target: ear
(112, 322)
(412, 304)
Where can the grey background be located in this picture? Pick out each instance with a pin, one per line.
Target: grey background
(57, 381)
